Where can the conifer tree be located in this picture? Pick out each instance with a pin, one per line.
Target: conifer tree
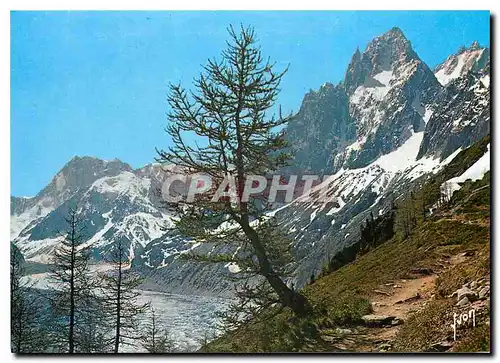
(70, 273)
(92, 332)
(406, 215)
(155, 338)
(229, 112)
(25, 309)
(120, 299)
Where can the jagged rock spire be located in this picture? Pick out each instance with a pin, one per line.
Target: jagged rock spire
(383, 53)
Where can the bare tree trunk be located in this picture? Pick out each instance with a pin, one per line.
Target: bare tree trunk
(290, 298)
(72, 297)
(118, 304)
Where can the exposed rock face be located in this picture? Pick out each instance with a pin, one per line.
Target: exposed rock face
(386, 93)
(392, 48)
(74, 177)
(466, 60)
(321, 128)
(463, 114)
(389, 123)
(78, 173)
(403, 120)
(102, 190)
(392, 94)
(440, 346)
(19, 204)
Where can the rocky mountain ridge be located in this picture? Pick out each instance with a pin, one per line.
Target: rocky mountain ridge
(390, 122)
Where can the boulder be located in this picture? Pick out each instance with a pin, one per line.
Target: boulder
(464, 292)
(329, 338)
(440, 347)
(409, 299)
(469, 253)
(397, 321)
(463, 301)
(422, 271)
(384, 347)
(484, 292)
(342, 331)
(382, 292)
(377, 320)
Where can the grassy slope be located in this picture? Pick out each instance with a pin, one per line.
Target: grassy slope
(342, 297)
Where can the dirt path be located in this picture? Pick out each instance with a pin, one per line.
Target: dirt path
(483, 223)
(405, 297)
(397, 299)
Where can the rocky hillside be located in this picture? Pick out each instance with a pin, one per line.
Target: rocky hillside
(390, 124)
(401, 293)
(408, 123)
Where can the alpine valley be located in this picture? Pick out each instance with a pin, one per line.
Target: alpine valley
(390, 124)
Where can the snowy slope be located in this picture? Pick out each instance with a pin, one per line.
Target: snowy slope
(457, 65)
(475, 172)
(390, 122)
(115, 206)
(320, 229)
(391, 95)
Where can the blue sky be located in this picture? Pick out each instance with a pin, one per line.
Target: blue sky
(95, 83)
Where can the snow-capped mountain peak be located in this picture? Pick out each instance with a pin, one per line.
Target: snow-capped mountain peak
(459, 64)
(389, 123)
(74, 177)
(390, 88)
(385, 53)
